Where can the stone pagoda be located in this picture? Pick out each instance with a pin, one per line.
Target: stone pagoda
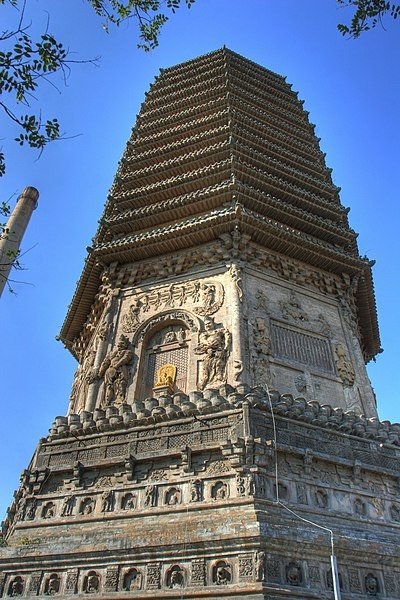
(221, 422)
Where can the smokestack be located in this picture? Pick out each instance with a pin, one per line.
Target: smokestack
(11, 238)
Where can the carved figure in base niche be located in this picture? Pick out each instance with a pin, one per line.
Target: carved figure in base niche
(196, 491)
(92, 583)
(107, 501)
(219, 491)
(31, 510)
(16, 587)
(22, 507)
(67, 506)
(222, 573)
(215, 345)
(293, 574)
(176, 577)
(173, 496)
(52, 585)
(115, 370)
(371, 585)
(259, 563)
(128, 502)
(132, 580)
(344, 367)
(150, 496)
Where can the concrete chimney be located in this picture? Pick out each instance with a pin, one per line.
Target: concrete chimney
(14, 231)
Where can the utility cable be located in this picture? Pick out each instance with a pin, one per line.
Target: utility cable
(335, 576)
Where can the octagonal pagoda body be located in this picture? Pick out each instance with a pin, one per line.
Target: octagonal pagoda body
(224, 287)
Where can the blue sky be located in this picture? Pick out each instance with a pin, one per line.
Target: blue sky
(351, 89)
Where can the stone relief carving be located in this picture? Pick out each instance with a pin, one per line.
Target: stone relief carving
(87, 506)
(344, 367)
(321, 498)
(198, 576)
(246, 567)
(260, 353)
(91, 583)
(67, 506)
(175, 315)
(111, 579)
(132, 580)
(219, 490)
(360, 507)
(52, 585)
(84, 376)
(115, 372)
(150, 496)
(153, 576)
(291, 309)
(214, 345)
(300, 383)
(236, 276)
(294, 574)
(371, 585)
(196, 490)
(259, 565)
(48, 510)
(16, 587)
(176, 577)
(205, 297)
(222, 573)
(394, 512)
(173, 496)
(107, 501)
(128, 502)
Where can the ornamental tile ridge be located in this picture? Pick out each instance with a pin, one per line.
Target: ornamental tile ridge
(186, 177)
(181, 160)
(167, 230)
(272, 75)
(181, 95)
(279, 166)
(298, 162)
(284, 141)
(172, 132)
(279, 89)
(254, 112)
(303, 130)
(183, 115)
(157, 215)
(173, 107)
(292, 106)
(172, 147)
(315, 244)
(326, 225)
(256, 174)
(181, 200)
(190, 406)
(204, 59)
(160, 88)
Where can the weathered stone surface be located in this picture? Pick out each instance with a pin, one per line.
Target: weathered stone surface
(221, 420)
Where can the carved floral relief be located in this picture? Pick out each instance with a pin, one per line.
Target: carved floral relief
(204, 297)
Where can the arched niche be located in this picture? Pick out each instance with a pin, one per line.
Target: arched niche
(166, 340)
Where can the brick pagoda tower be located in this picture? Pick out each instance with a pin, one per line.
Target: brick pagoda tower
(223, 294)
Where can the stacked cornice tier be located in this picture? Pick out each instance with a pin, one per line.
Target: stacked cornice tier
(221, 422)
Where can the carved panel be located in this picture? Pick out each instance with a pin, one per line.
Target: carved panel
(111, 579)
(34, 583)
(305, 348)
(153, 576)
(246, 567)
(198, 577)
(71, 582)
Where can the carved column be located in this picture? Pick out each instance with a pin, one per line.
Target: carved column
(239, 366)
